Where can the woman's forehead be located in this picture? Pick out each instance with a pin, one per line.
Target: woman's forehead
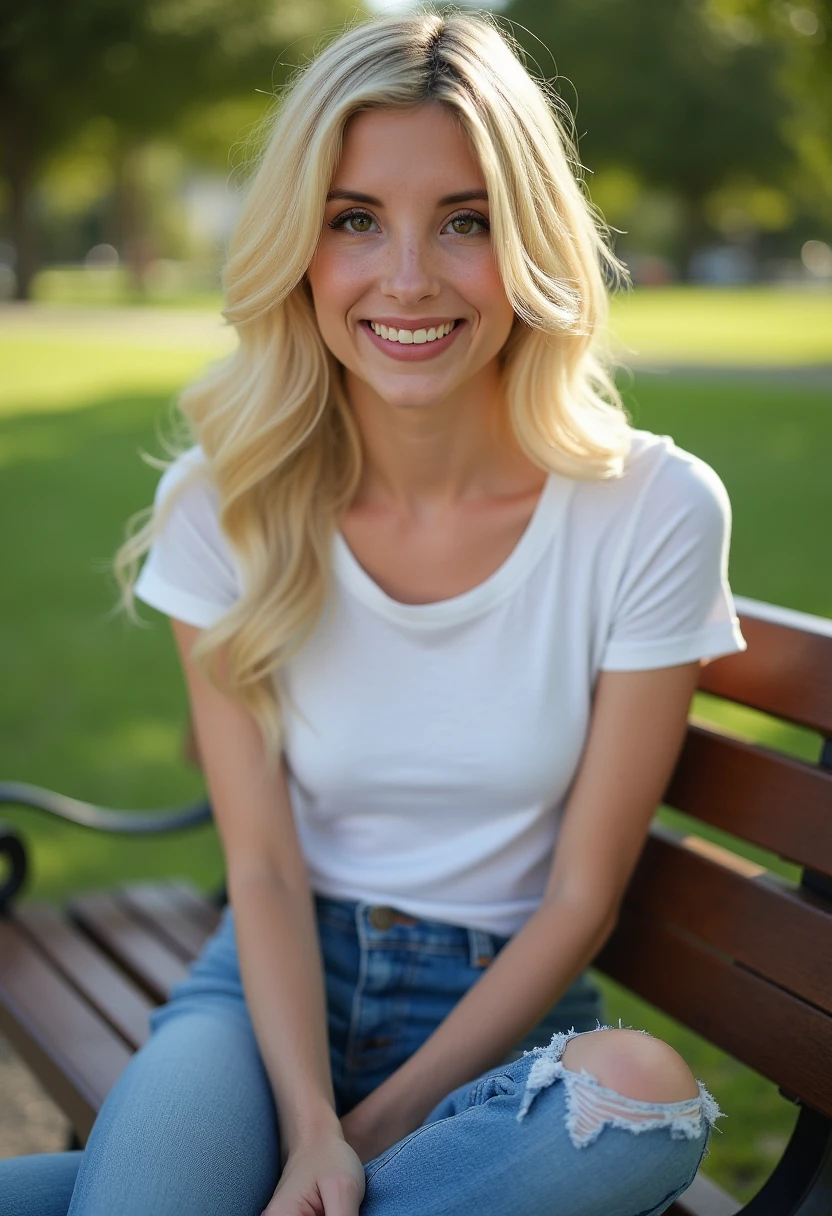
(424, 148)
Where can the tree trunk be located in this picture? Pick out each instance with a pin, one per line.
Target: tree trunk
(131, 224)
(20, 164)
(693, 234)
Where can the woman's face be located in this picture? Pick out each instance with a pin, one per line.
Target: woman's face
(404, 281)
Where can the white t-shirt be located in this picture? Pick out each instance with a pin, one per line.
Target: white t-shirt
(438, 741)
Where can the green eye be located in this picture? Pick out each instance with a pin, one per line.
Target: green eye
(360, 223)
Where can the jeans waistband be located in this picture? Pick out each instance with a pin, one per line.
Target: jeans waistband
(380, 920)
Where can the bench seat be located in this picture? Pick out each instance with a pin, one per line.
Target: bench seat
(76, 987)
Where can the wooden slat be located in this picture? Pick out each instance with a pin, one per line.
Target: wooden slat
(704, 1198)
(780, 932)
(169, 914)
(74, 1053)
(90, 972)
(771, 800)
(771, 1031)
(786, 670)
(133, 945)
(201, 908)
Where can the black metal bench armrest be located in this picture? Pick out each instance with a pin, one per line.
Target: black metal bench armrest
(86, 815)
(102, 819)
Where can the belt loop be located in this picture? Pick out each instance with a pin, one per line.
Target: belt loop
(480, 947)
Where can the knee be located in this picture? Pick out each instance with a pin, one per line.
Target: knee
(633, 1064)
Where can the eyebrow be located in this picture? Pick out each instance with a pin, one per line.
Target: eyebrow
(449, 200)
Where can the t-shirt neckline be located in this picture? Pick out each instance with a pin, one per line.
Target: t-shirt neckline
(525, 555)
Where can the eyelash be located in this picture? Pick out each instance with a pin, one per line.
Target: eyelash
(341, 220)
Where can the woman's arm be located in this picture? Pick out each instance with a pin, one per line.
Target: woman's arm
(635, 736)
(274, 915)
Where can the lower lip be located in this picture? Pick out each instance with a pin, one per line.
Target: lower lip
(411, 352)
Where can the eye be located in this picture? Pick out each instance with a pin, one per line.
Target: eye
(469, 223)
(359, 221)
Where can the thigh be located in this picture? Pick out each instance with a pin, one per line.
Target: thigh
(39, 1185)
(190, 1126)
(514, 1129)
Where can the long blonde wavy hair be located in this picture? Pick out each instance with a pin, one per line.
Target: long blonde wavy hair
(279, 440)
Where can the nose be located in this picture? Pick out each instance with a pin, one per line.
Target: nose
(409, 273)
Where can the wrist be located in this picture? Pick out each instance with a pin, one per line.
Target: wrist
(370, 1123)
(308, 1127)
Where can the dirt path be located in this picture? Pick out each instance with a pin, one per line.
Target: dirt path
(29, 1121)
(160, 327)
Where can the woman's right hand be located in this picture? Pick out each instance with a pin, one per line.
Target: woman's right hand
(322, 1177)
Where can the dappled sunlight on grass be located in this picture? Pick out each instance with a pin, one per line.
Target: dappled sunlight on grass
(146, 740)
(50, 376)
(732, 326)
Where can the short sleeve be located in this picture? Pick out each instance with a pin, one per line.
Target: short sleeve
(189, 572)
(672, 602)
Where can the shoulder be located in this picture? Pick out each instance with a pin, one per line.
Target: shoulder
(191, 572)
(662, 481)
(187, 507)
(187, 477)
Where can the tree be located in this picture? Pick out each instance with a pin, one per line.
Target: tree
(803, 31)
(144, 64)
(664, 88)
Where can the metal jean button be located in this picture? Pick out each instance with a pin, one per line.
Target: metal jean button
(382, 917)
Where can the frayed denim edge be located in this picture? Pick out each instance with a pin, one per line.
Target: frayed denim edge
(679, 1117)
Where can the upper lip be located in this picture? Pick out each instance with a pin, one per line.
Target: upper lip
(415, 323)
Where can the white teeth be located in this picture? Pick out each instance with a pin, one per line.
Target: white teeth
(409, 337)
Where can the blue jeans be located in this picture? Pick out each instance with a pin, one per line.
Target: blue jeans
(190, 1128)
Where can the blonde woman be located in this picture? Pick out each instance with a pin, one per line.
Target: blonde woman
(441, 611)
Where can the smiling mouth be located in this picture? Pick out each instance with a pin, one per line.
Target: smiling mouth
(411, 337)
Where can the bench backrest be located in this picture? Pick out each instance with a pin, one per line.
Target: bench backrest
(742, 955)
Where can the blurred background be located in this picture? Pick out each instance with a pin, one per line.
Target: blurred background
(127, 128)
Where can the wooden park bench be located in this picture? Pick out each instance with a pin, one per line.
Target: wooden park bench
(741, 956)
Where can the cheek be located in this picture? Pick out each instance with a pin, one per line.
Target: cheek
(336, 285)
(479, 280)
(495, 301)
(337, 280)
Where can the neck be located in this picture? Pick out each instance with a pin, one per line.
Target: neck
(419, 459)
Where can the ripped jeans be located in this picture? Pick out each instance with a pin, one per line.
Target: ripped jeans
(190, 1128)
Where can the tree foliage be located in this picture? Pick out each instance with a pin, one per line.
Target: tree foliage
(671, 89)
(146, 65)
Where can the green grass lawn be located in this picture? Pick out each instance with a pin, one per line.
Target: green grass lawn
(765, 326)
(94, 707)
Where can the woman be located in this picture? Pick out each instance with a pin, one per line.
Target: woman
(441, 612)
